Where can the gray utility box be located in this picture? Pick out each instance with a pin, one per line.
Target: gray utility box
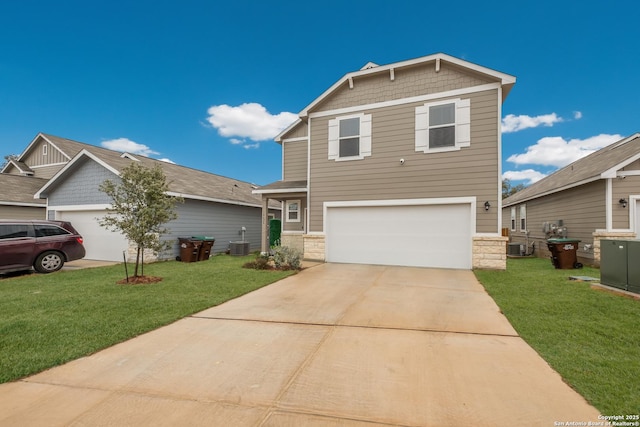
(620, 264)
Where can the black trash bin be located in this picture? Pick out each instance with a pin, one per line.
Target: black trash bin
(206, 246)
(564, 253)
(189, 249)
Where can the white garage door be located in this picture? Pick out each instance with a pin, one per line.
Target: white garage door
(100, 243)
(421, 235)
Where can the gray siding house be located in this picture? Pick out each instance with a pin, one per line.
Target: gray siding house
(67, 189)
(594, 198)
(397, 164)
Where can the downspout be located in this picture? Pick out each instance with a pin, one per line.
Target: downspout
(609, 205)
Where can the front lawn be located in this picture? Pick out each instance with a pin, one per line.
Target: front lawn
(47, 320)
(590, 337)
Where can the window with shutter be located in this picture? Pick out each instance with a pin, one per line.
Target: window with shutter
(443, 126)
(350, 137)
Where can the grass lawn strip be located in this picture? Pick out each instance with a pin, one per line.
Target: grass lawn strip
(48, 320)
(590, 337)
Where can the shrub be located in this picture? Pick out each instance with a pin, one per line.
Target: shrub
(286, 258)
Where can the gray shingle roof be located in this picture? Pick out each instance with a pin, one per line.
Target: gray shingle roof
(587, 169)
(190, 183)
(20, 189)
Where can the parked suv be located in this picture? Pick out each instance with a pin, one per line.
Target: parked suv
(43, 245)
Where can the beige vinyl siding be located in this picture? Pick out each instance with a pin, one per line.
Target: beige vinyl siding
(471, 171)
(299, 131)
(295, 160)
(623, 188)
(22, 212)
(581, 209)
(35, 157)
(294, 226)
(410, 81)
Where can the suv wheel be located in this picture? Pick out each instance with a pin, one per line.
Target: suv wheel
(48, 262)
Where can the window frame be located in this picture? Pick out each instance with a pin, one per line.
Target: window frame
(513, 218)
(461, 125)
(288, 211)
(523, 218)
(44, 149)
(364, 137)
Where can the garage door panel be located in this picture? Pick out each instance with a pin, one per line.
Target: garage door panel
(421, 235)
(99, 243)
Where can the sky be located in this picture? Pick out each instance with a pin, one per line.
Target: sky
(208, 84)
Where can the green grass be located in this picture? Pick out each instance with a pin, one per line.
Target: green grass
(590, 337)
(47, 320)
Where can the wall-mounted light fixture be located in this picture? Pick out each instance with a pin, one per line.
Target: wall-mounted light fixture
(487, 205)
(623, 202)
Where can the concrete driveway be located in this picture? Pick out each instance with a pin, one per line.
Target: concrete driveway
(336, 345)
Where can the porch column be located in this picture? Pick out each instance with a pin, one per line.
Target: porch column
(264, 247)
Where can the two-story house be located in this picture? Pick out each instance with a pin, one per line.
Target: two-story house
(397, 164)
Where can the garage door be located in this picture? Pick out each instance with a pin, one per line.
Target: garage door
(421, 235)
(100, 243)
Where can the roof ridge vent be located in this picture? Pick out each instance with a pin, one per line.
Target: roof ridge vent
(369, 65)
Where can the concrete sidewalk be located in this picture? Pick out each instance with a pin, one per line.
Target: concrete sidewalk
(347, 345)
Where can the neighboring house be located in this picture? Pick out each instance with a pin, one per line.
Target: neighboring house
(594, 198)
(214, 205)
(397, 165)
(16, 197)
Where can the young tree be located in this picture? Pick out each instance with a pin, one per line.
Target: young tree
(8, 158)
(508, 189)
(140, 207)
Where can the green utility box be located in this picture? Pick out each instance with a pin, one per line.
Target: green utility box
(275, 229)
(620, 264)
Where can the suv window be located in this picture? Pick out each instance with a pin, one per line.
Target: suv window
(49, 230)
(12, 231)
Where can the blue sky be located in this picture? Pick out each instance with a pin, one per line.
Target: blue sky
(207, 84)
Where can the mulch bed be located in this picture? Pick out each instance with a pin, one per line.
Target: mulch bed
(140, 280)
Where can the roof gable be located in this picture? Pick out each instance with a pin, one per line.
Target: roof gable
(437, 61)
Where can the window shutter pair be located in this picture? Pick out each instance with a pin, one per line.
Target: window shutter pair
(365, 136)
(462, 124)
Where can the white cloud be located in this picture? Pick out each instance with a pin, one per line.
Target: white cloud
(249, 120)
(528, 175)
(127, 146)
(513, 123)
(250, 146)
(167, 161)
(236, 141)
(577, 115)
(556, 151)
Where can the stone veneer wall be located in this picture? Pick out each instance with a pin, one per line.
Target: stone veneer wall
(615, 235)
(292, 241)
(149, 255)
(490, 252)
(314, 247)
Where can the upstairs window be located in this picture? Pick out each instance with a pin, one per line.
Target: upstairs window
(44, 149)
(443, 125)
(350, 137)
(513, 219)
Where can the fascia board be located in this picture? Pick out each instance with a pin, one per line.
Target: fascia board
(287, 190)
(61, 172)
(278, 137)
(555, 190)
(213, 199)
(613, 171)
